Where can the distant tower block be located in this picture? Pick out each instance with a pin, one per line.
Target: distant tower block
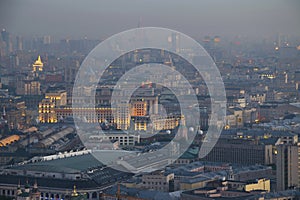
(183, 131)
(38, 65)
(175, 39)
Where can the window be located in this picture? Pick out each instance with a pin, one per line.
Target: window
(94, 195)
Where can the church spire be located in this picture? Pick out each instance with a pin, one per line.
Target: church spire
(19, 191)
(74, 192)
(35, 186)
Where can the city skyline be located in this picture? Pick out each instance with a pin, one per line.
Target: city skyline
(140, 99)
(101, 19)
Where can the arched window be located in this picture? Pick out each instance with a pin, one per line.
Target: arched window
(94, 195)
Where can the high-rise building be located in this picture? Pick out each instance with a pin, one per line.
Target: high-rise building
(71, 69)
(32, 87)
(6, 38)
(175, 39)
(139, 108)
(123, 116)
(19, 45)
(144, 105)
(287, 166)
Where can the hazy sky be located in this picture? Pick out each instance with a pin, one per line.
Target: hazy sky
(102, 18)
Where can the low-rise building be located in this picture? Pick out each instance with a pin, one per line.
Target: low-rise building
(158, 180)
(241, 151)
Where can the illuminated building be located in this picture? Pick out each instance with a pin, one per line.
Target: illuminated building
(47, 111)
(139, 108)
(100, 115)
(217, 39)
(58, 97)
(165, 123)
(122, 120)
(9, 140)
(123, 116)
(259, 98)
(261, 184)
(140, 123)
(37, 65)
(146, 105)
(53, 99)
(77, 196)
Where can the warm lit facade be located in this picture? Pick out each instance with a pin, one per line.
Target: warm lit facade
(139, 108)
(123, 116)
(58, 97)
(142, 106)
(121, 119)
(261, 184)
(165, 123)
(38, 65)
(155, 123)
(9, 140)
(91, 115)
(47, 111)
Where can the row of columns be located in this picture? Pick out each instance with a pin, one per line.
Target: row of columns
(48, 195)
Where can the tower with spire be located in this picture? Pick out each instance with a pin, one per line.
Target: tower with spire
(28, 193)
(76, 195)
(74, 192)
(37, 66)
(35, 193)
(19, 190)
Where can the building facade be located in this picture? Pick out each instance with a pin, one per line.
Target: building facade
(287, 166)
